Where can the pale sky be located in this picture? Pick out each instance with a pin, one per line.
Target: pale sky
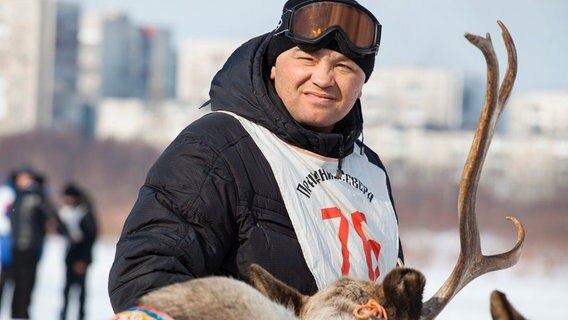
(415, 32)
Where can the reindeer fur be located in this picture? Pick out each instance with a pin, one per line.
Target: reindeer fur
(225, 298)
(213, 298)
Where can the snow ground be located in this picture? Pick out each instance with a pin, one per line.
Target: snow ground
(537, 291)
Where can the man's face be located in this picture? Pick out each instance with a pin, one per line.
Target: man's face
(24, 181)
(318, 88)
(70, 200)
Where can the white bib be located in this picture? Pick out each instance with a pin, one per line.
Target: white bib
(345, 226)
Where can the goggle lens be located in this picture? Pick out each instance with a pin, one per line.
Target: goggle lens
(313, 20)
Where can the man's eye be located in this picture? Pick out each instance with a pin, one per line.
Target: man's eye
(306, 58)
(345, 66)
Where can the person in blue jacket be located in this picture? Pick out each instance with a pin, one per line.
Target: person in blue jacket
(7, 197)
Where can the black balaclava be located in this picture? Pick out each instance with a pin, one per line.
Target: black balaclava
(281, 43)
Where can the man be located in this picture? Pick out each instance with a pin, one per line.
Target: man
(31, 210)
(275, 175)
(79, 224)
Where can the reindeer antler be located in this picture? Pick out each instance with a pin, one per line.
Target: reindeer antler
(471, 262)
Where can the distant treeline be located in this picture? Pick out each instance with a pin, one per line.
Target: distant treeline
(432, 203)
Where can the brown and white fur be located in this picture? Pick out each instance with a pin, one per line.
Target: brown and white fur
(225, 298)
(214, 298)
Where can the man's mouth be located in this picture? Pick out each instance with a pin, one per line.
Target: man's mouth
(320, 95)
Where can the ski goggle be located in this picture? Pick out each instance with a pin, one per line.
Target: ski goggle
(310, 22)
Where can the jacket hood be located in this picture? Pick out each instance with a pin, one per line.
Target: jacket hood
(243, 87)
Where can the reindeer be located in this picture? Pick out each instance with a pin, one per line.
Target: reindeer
(400, 294)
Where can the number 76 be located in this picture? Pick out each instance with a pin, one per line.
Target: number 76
(371, 247)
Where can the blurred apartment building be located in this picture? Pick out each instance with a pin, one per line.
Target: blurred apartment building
(135, 61)
(414, 97)
(67, 112)
(135, 120)
(539, 113)
(527, 161)
(56, 63)
(124, 65)
(538, 127)
(26, 64)
(198, 61)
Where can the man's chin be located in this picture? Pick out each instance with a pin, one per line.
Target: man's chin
(318, 126)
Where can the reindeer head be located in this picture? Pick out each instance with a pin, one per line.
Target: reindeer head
(213, 298)
(400, 295)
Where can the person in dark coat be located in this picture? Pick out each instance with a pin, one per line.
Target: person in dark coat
(276, 175)
(30, 213)
(79, 224)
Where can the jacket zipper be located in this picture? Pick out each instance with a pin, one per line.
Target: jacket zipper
(339, 172)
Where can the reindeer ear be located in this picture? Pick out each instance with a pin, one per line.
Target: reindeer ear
(275, 289)
(403, 287)
(501, 308)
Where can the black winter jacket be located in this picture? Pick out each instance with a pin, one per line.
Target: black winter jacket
(210, 204)
(30, 213)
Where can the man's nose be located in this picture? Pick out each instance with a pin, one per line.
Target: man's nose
(323, 75)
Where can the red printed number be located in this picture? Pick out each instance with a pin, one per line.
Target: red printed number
(371, 247)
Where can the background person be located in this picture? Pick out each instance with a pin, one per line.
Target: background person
(79, 224)
(31, 211)
(276, 176)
